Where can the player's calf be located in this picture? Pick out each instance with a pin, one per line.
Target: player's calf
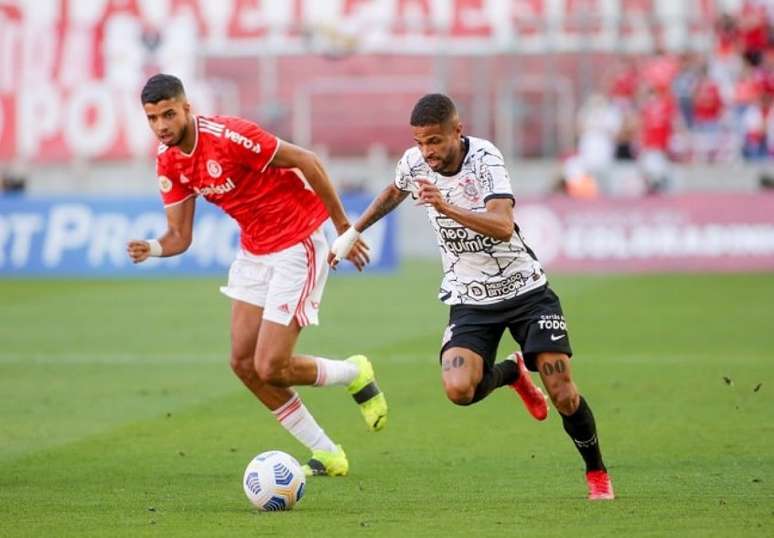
(554, 371)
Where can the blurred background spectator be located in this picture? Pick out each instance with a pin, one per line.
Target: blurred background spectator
(644, 96)
(12, 182)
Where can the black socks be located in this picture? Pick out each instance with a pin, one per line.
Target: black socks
(502, 373)
(582, 429)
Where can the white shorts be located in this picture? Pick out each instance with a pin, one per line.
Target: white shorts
(288, 284)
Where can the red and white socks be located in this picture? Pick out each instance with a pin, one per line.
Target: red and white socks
(331, 372)
(296, 419)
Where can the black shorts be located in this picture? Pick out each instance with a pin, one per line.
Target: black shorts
(534, 319)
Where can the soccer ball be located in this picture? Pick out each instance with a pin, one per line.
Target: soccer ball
(274, 481)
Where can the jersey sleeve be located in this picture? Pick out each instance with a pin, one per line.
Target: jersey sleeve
(404, 177)
(249, 145)
(493, 177)
(172, 190)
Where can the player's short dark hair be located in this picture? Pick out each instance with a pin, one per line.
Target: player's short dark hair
(160, 87)
(433, 109)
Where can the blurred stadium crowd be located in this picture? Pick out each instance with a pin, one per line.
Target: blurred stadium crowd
(610, 96)
(708, 106)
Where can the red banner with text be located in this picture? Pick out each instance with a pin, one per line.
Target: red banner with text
(70, 71)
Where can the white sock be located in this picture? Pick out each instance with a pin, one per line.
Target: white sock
(296, 419)
(330, 372)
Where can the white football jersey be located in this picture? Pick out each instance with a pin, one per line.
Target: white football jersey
(477, 269)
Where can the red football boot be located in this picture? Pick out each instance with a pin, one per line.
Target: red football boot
(600, 486)
(533, 397)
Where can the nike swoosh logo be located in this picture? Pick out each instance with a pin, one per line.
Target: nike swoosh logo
(555, 337)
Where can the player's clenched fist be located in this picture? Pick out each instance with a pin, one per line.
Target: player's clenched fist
(429, 194)
(139, 251)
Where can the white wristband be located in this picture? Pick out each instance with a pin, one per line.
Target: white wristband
(344, 243)
(155, 248)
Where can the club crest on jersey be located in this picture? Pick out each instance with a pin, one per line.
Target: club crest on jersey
(470, 190)
(214, 168)
(165, 184)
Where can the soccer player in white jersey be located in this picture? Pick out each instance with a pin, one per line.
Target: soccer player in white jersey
(492, 279)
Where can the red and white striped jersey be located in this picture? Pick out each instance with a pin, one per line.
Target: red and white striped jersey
(230, 167)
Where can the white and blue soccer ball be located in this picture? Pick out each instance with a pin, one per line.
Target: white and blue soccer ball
(274, 481)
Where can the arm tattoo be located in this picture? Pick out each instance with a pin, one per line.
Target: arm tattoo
(383, 204)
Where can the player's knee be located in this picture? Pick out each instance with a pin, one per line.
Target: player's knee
(566, 399)
(243, 366)
(459, 392)
(272, 373)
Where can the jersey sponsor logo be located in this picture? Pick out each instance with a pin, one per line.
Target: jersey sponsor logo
(214, 169)
(496, 289)
(551, 322)
(477, 290)
(460, 240)
(165, 184)
(221, 188)
(242, 140)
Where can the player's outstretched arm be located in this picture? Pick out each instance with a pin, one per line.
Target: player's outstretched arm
(387, 200)
(291, 156)
(175, 241)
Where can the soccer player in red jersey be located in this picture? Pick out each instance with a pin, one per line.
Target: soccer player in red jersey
(280, 196)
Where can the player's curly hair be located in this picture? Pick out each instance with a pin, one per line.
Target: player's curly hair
(432, 109)
(160, 87)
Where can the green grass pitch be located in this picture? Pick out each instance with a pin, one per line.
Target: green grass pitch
(119, 415)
